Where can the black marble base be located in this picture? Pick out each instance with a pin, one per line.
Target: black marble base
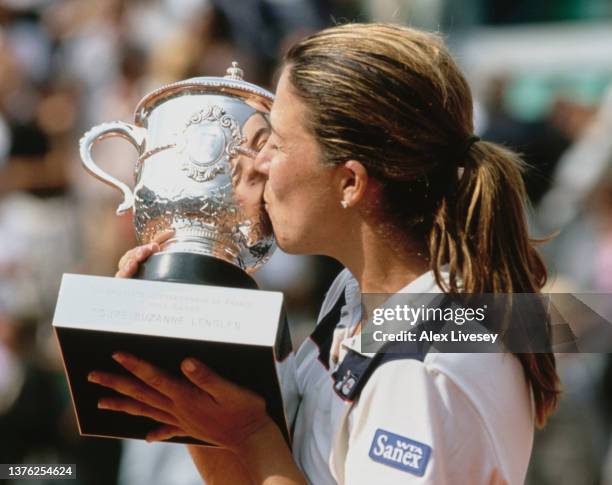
(194, 269)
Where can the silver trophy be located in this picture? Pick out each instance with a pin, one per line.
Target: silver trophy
(197, 141)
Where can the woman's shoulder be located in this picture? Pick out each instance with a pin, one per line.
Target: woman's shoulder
(494, 383)
(440, 401)
(336, 291)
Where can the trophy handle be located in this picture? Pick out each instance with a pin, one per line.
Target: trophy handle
(134, 134)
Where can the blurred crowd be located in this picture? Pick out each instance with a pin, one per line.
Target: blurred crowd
(66, 65)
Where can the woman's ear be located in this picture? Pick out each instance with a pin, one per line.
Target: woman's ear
(354, 182)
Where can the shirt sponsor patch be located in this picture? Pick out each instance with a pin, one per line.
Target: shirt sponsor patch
(400, 452)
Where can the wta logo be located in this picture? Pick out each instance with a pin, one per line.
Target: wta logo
(400, 452)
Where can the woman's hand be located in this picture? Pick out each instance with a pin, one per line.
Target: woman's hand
(204, 405)
(128, 264)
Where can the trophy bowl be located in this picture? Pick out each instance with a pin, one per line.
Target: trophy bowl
(197, 141)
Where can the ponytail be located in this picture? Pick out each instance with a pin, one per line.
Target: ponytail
(480, 232)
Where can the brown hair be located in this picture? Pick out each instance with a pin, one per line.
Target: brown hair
(394, 99)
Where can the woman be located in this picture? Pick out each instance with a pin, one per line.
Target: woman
(372, 161)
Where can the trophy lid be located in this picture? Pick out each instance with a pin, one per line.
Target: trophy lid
(231, 84)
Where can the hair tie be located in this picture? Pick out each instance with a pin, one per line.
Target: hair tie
(466, 145)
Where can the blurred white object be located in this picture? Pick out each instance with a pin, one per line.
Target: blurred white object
(12, 377)
(5, 141)
(32, 48)
(425, 14)
(156, 464)
(579, 170)
(551, 48)
(24, 5)
(38, 242)
(286, 272)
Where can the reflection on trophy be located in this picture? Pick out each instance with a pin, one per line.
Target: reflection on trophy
(197, 141)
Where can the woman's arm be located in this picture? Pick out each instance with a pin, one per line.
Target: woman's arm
(268, 458)
(265, 459)
(219, 466)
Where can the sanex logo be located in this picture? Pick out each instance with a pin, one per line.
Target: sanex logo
(400, 452)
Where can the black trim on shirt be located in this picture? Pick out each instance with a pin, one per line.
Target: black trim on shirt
(324, 332)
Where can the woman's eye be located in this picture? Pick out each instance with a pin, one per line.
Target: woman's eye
(260, 145)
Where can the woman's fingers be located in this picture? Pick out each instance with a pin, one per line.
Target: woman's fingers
(134, 254)
(150, 375)
(127, 270)
(165, 433)
(136, 408)
(209, 381)
(130, 387)
(163, 236)
(128, 264)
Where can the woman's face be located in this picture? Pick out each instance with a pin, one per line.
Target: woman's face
(302, 195)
